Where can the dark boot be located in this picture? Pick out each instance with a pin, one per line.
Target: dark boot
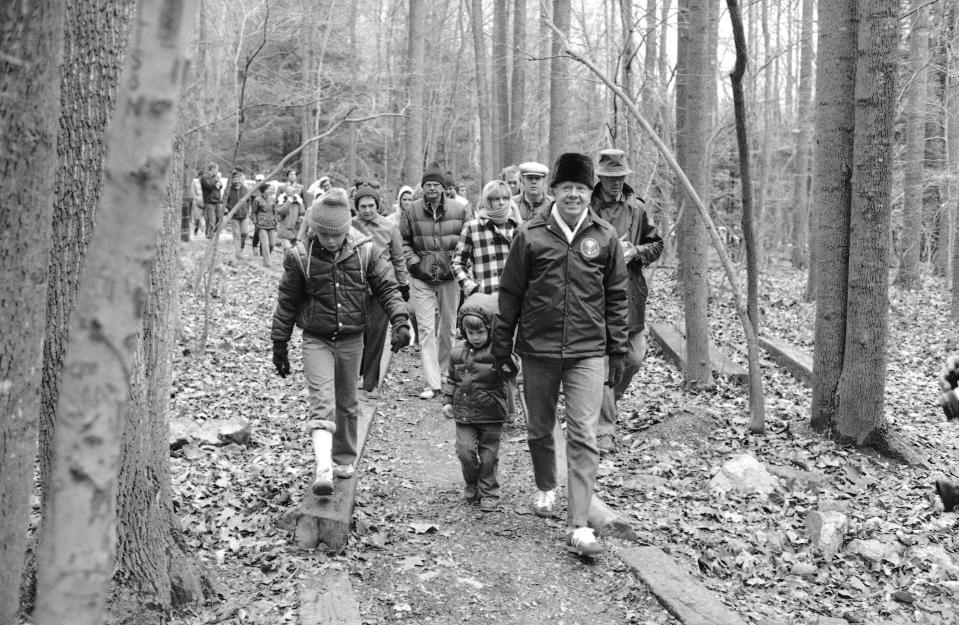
(949, 493)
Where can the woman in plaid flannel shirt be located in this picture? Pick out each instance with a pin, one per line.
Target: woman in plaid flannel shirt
(484, 242)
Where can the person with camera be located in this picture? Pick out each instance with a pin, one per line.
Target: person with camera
(430, 230)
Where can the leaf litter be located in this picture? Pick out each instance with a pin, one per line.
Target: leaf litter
(419, 555)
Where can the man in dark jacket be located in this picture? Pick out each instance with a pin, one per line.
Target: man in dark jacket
(614, 201)
(532, 198)
(563, 293)
(430, 230)
(212, 190)
(325, 290)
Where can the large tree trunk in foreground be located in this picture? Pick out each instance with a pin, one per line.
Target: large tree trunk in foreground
(154, 572)
(78, 546)
(31, 38)
(835, 121)
(94, 39)
(861, 390)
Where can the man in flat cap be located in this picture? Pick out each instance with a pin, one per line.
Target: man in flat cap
(616, 202)
(532, 198)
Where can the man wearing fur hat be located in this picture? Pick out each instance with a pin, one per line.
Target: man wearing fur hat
(386, 237)
(563, 294)
(325, 290)
(616, 202)
(430, 230)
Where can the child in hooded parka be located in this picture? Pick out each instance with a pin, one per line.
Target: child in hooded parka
(476, 397)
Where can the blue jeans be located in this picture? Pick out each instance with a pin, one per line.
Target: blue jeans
(583, 383)
(331, 368)
(477, 446)
(633, 362)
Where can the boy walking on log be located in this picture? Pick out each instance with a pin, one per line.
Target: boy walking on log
(325, 289)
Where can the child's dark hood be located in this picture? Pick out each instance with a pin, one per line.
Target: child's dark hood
(482, 305)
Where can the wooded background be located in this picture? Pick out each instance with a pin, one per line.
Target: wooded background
(852, 117)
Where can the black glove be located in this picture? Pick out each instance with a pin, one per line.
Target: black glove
(405, 292)
(400, 336)
(281, 359)
(617, 365)
(949, 376)
(505, 368)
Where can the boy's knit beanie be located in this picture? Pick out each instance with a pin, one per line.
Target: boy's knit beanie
(365, 190)
(330, 214)
(434, 173)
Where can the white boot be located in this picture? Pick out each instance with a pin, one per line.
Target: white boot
(323, 451)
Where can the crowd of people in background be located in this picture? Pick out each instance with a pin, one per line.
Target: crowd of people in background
(540, 277)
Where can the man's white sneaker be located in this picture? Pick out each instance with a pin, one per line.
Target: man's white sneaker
(343, 471)
(583, 541)
(544, 502)
(427, 393)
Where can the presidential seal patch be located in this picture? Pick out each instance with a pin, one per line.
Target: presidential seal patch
(589, 247)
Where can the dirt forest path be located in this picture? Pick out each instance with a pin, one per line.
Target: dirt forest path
(451, 563)
(418, 555)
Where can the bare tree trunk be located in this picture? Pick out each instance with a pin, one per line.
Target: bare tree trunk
(482, 92)
(517, 116)
(311, 88)
(77, 548)
(756, 403)
(154, 570)
(951, 97)
(416, 89)
(861, 389)
(31, 38)
(559, 105)
(800, 204)
(914, 155)
(95, 41)
(832, 163)
(501, 123)
(692, 243)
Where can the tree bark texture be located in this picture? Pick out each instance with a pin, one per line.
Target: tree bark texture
(800, 204)
(31, 38)
(501, 123)
(757, 422)
(416, 91)
(78, 546)
(483, 108)
(559, 104)
(914, 112)
(154, 572)
(861, 389)
(832, 163)
(95, 38)
(517, 115)
(693, 245)
(951, 97)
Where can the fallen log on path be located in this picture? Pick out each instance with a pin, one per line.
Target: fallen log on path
(673, 344)
(327, 519)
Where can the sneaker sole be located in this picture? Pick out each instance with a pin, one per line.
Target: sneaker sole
(322, 489)
(541, 512)
(586, 553)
